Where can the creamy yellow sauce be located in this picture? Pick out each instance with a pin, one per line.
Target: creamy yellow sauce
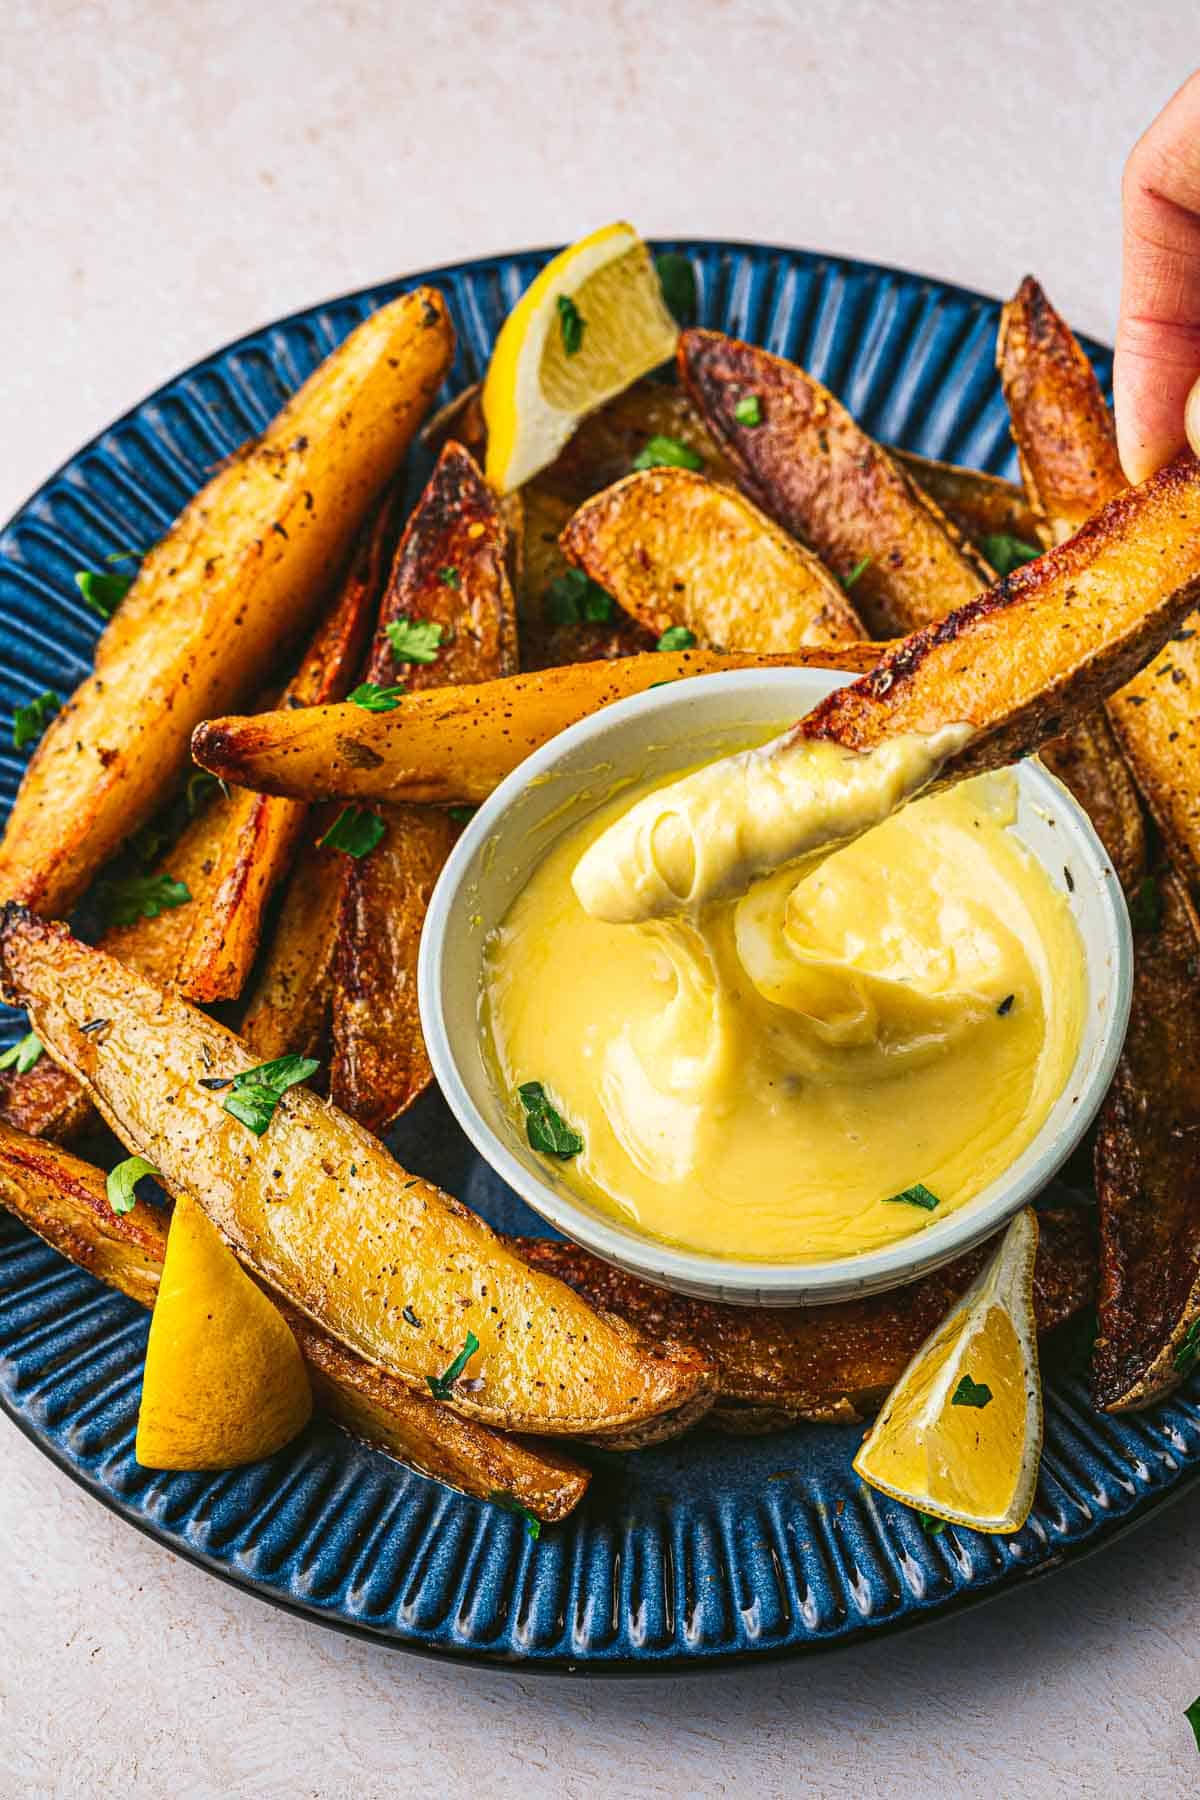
(757, 1077)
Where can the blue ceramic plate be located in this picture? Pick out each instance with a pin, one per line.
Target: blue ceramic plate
(704, 1551)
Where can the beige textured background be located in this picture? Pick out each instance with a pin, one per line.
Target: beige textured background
(172, 174)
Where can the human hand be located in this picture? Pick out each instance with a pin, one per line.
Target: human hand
(1158, 333)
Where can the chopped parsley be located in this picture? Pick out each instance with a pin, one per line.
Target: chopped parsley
(1006, 1005)
(546, 1128)
(1145, 906)
(30, 720)
(442, 1386)
(1192, 1715)
(1188, 1352)
(571, 323)
(1006, 553)
(677, 278)
(414, 640)
(374, 698)
(199, 790)
(255, 1093)
(21, 1056)
(573, 598)
(460, 814)
(676, 637)
(860, 568)
(917, 1195)
(355, 832)
(510, 1504)
(140, 897)
(748, 410)
(120, 1182)
(930, 1525)
(667, 453)
(103, 593)
(450, 577)
(971, 1393)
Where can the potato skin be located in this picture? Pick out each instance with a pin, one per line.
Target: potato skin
(979, 505)
(257, 549)
(288, 1010)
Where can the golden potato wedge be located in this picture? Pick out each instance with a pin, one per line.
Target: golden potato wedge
(455, 745)
(44, 1101)
(63, 1199)
(674, 549)
(397, 1271)
(261, 834)
(811, 468)
(257, 550)
(451, 570)
(981, 506)
(550, 635)
(289, 1007)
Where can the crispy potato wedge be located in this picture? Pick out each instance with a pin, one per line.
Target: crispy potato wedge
(45, 1102)
(1156, 717)
(455, 745)
(673, 548)
(1043, 647)
(261, 833)
(451, 569)
(810, 467)
(982, 506)
(1148, 1169)
(257, 550)
(776, 1365)
(289, 1007)
(547, 641)
(63, 1199)
(319, 1211)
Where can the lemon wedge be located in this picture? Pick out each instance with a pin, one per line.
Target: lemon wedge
(593, 322)
(960, 1434)
(224, 1382)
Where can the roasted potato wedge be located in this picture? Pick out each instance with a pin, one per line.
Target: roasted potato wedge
(257, 549)
(1148, 1168)
(451, 570)
(63, 1199)
(981, 506)
(44, 1101)
(810, 467)
(547, 639)
(289, 1007)
(455, 745)
(673, 548)
(776, 1365)
(319, 1211)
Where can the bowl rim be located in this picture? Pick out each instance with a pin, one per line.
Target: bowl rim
(731, 1279)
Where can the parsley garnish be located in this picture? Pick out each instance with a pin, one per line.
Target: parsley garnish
(571, 324)
(748, 410)
(22, 1055)
(971, 1393)
(510, 1504)
(1006, 1005)
(860, 568)
(103, 593)
(198, 793)
(374, 698)
(1189, 1349)
(1145, 906)
(677, 278)
(140, 897)
(460, 814)
(667, 453)
(355, 831)
(1192, 1715)
(931, 1526)
(917, 1195)
(121, 1181)
(450, 577)
(30, 720)
(545, 1128)
(255, 1093)
(442, 1386)
(676, 637)
(1006, 553)
(414, 640)
(573, 598)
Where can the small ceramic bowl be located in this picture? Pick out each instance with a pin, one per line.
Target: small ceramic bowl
(669, 728)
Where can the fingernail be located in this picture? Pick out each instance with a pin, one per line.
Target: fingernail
(1191, 418)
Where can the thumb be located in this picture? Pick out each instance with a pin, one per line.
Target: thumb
(1158, 332)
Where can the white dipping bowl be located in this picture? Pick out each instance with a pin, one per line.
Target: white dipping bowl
(672, 727)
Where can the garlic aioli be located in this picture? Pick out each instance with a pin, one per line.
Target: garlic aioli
(760, 1076)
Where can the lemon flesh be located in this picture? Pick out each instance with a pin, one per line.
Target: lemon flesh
(973, 1465)
(224, 1382)
(536, 390)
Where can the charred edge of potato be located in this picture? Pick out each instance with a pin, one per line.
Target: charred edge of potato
(45, 1101)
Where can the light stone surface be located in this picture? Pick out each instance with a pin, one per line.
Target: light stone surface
(173, 174)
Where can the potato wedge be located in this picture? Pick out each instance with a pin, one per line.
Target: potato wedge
(45, 1102)
(261, 833)
(258, 548)
(549, 639)
(1088, 761)
(1148, 1169)
(455, 745)
(675, 549)
(776, 1365)
(319, 1211)
(451, 569)
(63, 1199)
(981, 506)
(810, 467)
(289, 1007)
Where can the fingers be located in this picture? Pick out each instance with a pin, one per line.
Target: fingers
(1158, 332)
